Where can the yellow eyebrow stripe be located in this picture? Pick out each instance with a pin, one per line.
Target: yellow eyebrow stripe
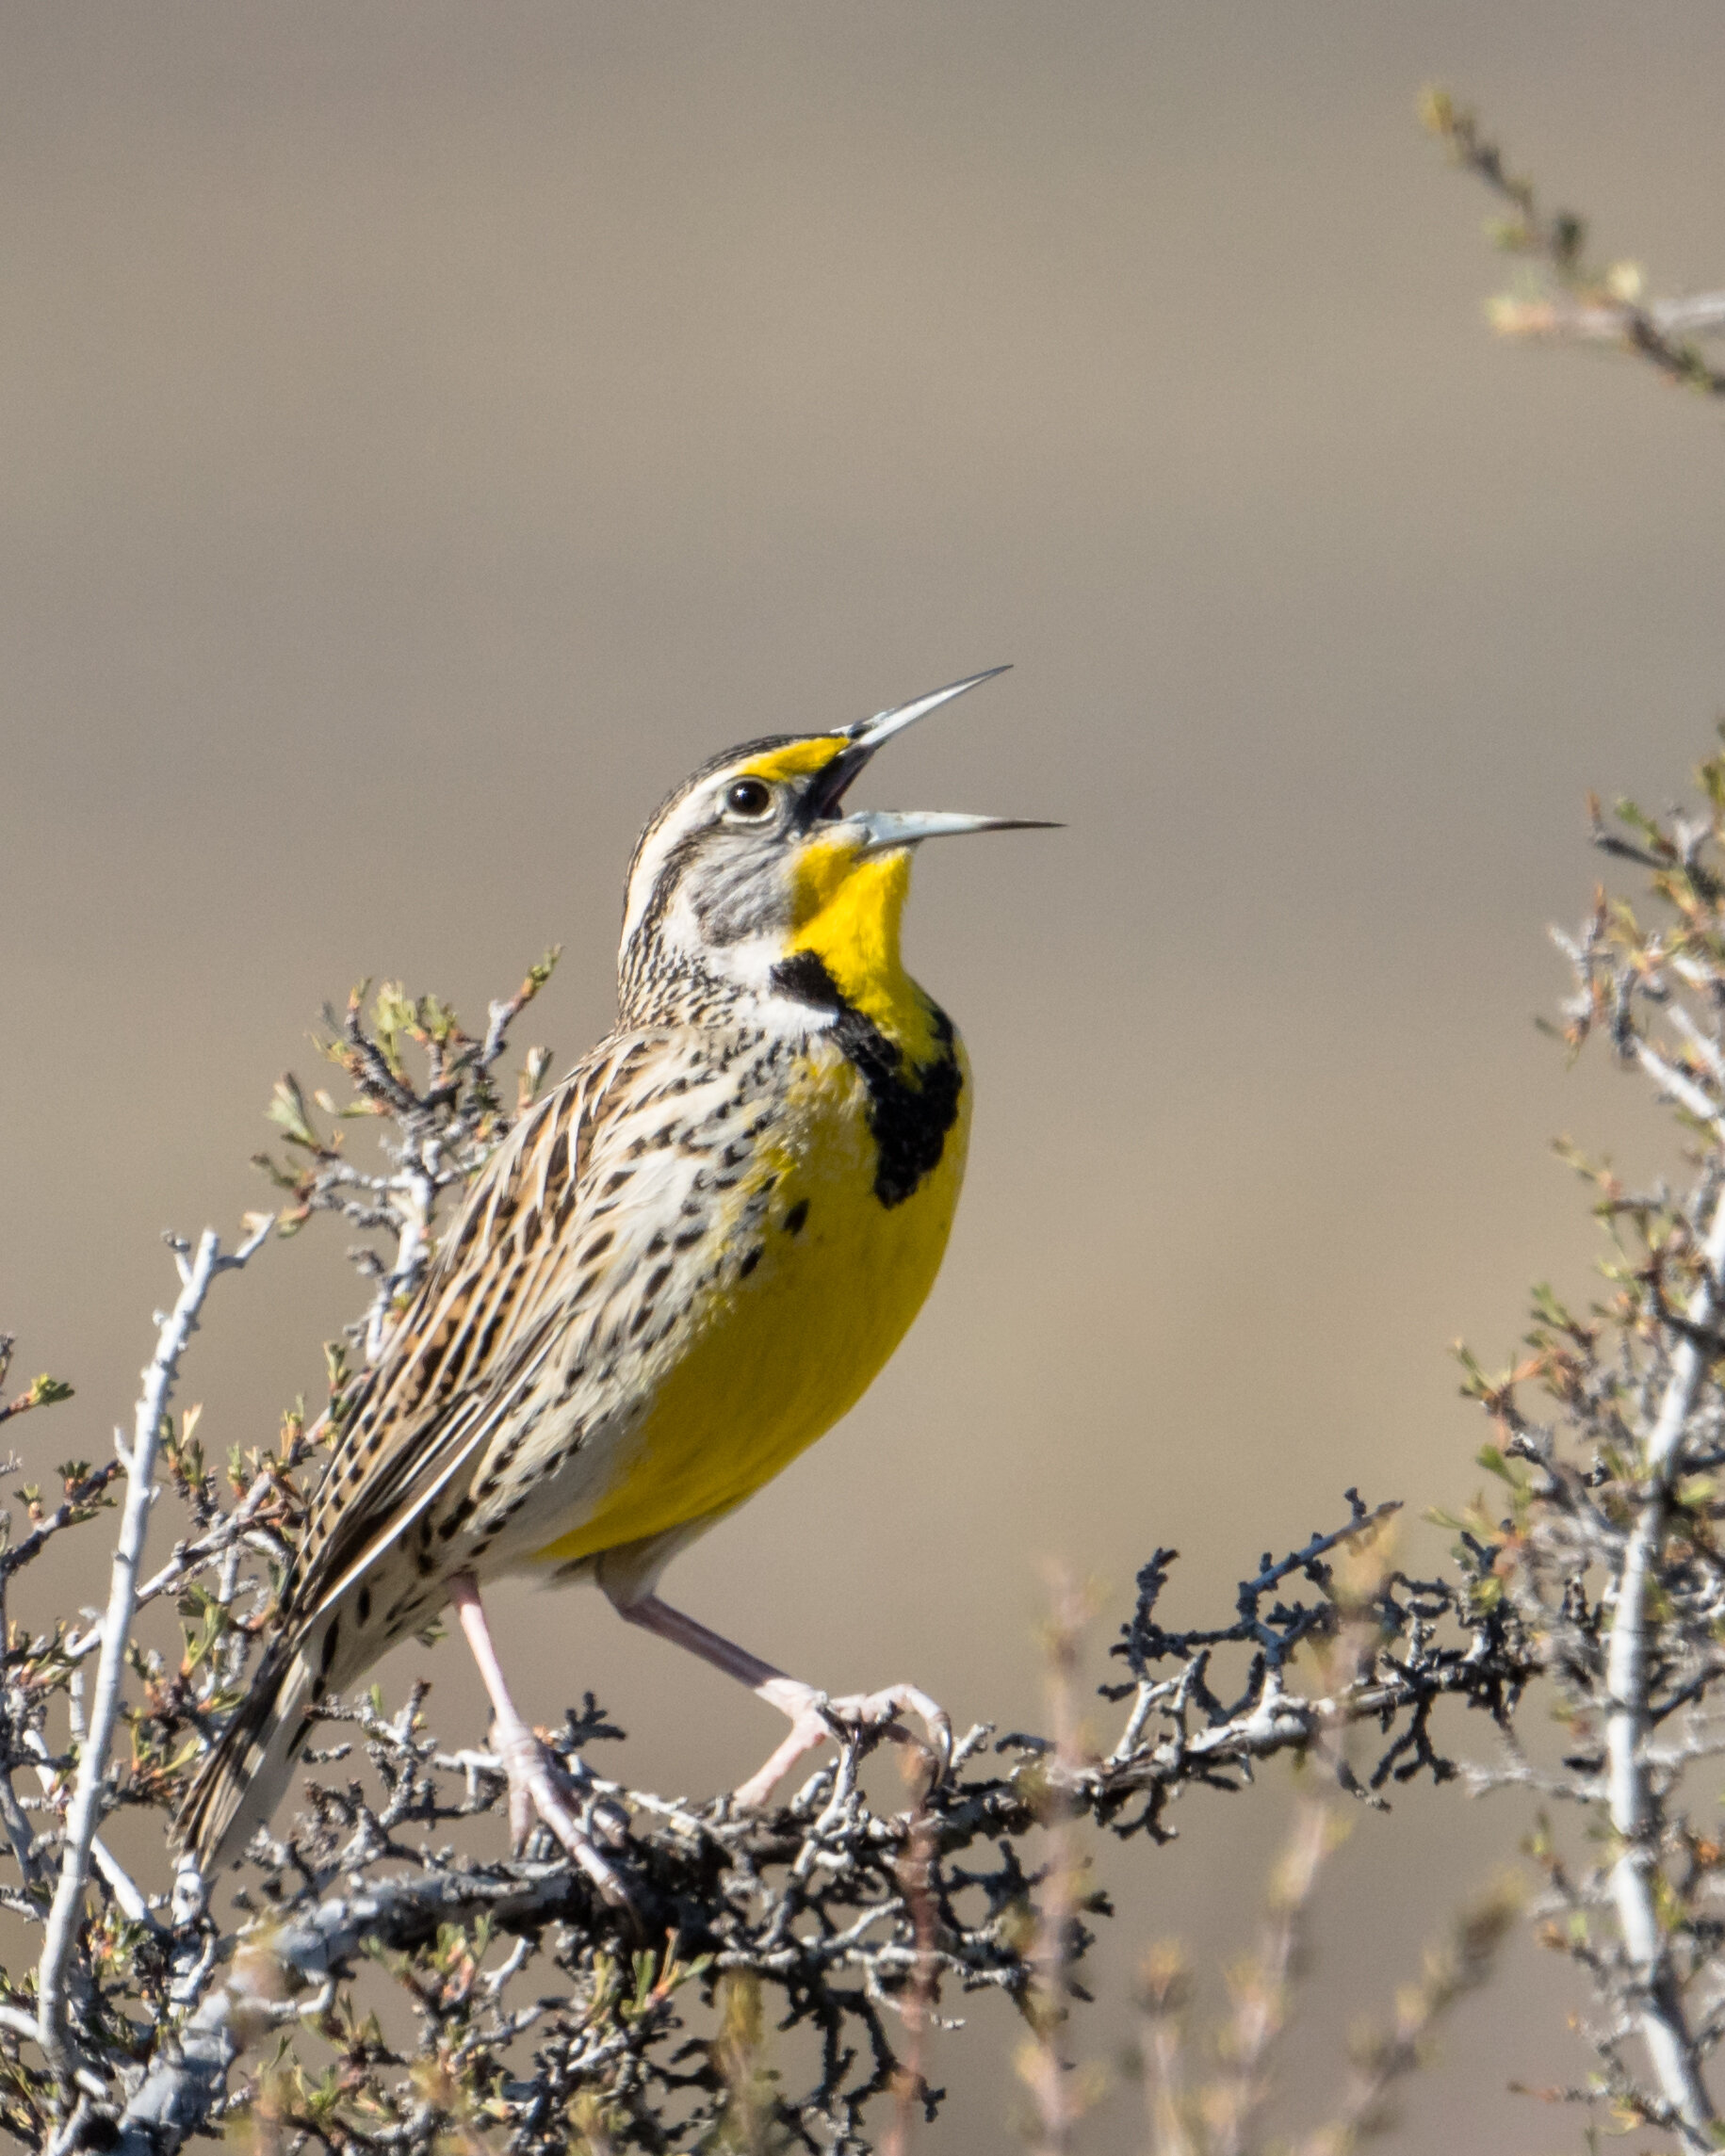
(798, 761)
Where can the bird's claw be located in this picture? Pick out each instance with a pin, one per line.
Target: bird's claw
(877, 1713)
(814, 1718)
(539, 1792)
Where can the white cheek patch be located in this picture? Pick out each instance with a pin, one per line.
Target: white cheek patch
(681, 929)
(748, 962)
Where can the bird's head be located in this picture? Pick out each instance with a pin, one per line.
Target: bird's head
(753, 880)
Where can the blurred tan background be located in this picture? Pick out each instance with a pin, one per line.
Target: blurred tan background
(427, 431)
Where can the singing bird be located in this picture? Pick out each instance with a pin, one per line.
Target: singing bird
(682, 1266)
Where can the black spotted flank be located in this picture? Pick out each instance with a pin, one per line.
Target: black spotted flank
(796, 1216)
(908, 1117)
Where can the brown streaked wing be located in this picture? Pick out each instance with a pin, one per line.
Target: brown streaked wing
(473, 1340)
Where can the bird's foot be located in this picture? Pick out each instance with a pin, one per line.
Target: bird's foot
(540, 1793)
(815, 1719)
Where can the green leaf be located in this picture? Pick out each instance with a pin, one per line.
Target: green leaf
(288, 1112)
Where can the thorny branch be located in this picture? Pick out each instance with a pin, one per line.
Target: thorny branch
(198, 1271)
(808, 1905)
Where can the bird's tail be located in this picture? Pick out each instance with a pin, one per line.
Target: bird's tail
(244, 1775)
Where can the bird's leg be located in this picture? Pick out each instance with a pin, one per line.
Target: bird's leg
(813, 1716)
(533, 1792)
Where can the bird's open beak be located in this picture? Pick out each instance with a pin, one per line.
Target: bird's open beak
(884, 828)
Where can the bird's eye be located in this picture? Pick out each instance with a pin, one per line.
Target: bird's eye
(752, 798)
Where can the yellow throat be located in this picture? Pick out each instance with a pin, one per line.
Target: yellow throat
(847, 915)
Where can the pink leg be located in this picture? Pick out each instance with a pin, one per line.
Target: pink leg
(814, 1718)
(534, 1792)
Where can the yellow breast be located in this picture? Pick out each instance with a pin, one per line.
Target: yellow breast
(772, 1359)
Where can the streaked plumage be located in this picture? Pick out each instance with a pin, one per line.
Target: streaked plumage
(685, 1263)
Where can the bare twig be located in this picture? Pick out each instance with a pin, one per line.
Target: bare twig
(1386, 2057)
(1058, 2093)
(1263, 1985)
(1585, 304)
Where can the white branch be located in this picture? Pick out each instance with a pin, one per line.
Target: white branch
(1633, 1807)
(124, 1887)
(190, 2071)
(83, 1815)
(1677, 1086)
(1601, 322)
(1698, 1042)
(20, 2023)
(1702, 315)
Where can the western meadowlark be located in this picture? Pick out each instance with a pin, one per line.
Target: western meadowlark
(682, 1267)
